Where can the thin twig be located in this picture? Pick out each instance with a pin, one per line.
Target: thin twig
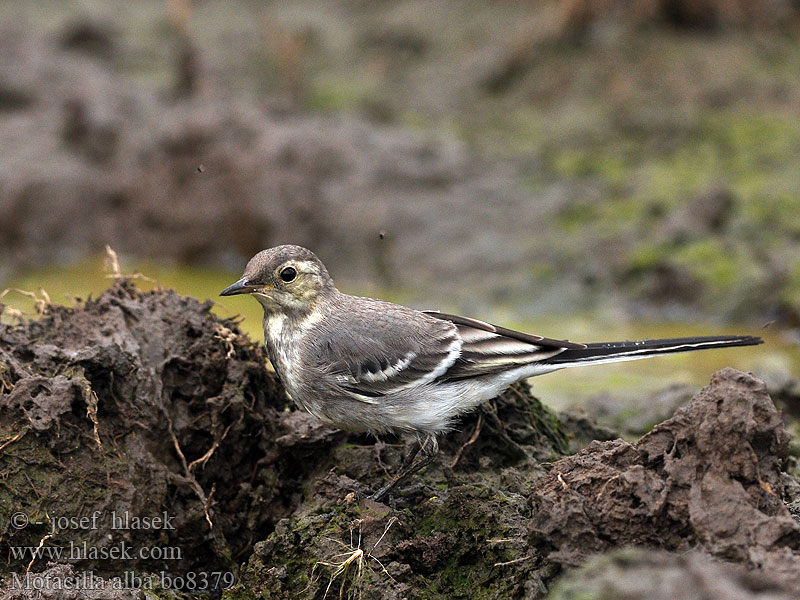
(11, 440)
(511, 562)
(469, 442)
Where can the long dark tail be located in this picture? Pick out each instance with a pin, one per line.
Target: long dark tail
(618, 351)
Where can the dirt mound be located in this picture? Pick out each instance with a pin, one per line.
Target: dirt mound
(143, 421)
(708, 477)
(458, 527)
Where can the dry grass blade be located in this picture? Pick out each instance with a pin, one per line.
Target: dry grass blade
(115, 271)
(40, 305)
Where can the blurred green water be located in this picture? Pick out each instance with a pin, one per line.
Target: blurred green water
(568, 387)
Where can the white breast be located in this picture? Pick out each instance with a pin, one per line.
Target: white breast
(282, 346)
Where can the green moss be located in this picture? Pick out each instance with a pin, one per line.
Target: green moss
(332, 94)
(452, 545)
(755, 154)
(577, 217)
(610, 168)
(791, 292)
(647, 257)
(709, 261)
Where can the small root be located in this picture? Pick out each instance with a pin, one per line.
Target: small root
(40, 305)
(513, 562)
(227, 337)
(204, 459)
(18, 315)
(194, 484)
(353, 555)
(605, 485)
(35, 553)
(112, 263)
(91, 412)
(356, 556)
(469, 442)
(12, 439)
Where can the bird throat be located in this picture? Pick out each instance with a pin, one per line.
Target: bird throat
(282, 333)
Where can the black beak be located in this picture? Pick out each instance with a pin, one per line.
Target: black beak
(240, 287)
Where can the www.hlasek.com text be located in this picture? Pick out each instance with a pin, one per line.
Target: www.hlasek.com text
(84, 551)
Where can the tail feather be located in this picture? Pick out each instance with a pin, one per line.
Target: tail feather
(606, 352)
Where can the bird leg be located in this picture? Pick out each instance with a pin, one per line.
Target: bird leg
(429, 448)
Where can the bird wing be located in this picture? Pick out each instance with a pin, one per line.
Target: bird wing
(399, 350)
(489, 349)
(387, 355)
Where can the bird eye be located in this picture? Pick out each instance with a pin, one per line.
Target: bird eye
(288, 274)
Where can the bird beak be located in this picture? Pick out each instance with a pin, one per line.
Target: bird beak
(240, 287)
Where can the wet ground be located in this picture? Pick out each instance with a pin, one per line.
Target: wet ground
(511, 154)
(148, 407)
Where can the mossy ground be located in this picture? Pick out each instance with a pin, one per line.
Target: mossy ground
(458, 530)
(464, 544)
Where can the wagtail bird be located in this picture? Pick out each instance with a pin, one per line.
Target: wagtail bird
(366, 365)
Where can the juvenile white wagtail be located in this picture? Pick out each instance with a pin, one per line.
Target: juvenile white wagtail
(366, 365)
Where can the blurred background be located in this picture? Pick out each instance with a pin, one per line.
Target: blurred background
(591, 169)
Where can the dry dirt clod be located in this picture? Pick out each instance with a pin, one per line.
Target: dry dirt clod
(709, 477)
(130, 403)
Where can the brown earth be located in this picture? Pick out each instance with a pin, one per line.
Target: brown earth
(710, 477)
(639, 574)
(147, 404)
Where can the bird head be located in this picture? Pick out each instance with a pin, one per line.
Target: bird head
(283, 279)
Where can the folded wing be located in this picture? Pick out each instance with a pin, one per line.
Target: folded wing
(487, 349)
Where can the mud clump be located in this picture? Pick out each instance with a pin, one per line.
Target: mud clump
(142, 421)
(457, 529)
(469, 538)
(139, 431)
(709, 477)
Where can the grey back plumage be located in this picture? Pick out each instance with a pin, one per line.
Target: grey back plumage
(391, 348)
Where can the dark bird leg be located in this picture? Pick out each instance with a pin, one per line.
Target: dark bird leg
(429, 448)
